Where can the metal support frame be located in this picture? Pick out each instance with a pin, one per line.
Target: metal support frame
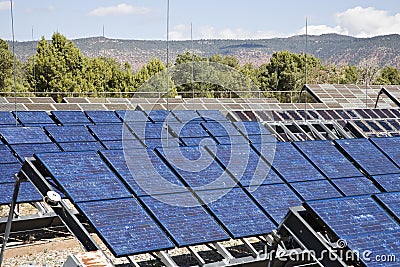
(166, 259)
(197, 256)
(10, 218)
(30, 172)
(224, 252)
(388, 94)
(327, 130)
(250, 247)
(305, 235)
(288, 132)
(340, 130)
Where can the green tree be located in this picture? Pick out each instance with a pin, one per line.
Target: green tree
(388, 75)
(6, 64)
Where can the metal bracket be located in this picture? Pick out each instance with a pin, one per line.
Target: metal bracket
(197, 256)
(224, 252)
(250, 247)
(166, 259)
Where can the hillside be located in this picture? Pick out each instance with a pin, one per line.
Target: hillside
(330, 48)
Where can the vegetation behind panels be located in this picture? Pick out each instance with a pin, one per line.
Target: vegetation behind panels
(59, 66)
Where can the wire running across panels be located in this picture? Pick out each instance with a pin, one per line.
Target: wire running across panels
(390, 146)
(124, 226)
(328, 158)
(288, 162)
(367, 156)
(70, 117)
(197, 167)
(245, 165)
(34, 118)
(187, 223)
(361, 222)
(103, 116)
(83, 175)
(237, 212)
(275, 199)
(146, 174)
(24, 135)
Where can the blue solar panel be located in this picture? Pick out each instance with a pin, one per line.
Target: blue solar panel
(328, 159)
(7, 172)
(232, 139)
(146, 173)
(390, 146)
(6, 118)
(252, 128)
(275, 199)
(321, 189)
(197, 167)
(187, 116)
(70, 133)
(24, 135)
(292, 165)
(212, 115)
(186, 224)
(71, 117)
(124, 226)
(149, 130)
(27, 150)
(119, 144)
(220, 128)
(354, 216)
(391, 201)
(170, 142)
(188, 130)
(368, 156)
(390, 182)
(81, 146)
(237, 212)
(356, 186)
(27, 193)
(111, 132)
(6, 155)
(132, 115)
(160, 116)
(197, 141)
(83, 175)
(29, 118)
(377, 249)
(103, 116)
(246, 165)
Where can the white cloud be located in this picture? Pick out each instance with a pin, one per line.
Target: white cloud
(47, 9)
(180, 32)
(4, 5)
(360, 22)
(120, 9)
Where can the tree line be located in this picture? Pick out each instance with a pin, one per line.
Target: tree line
(58, 68)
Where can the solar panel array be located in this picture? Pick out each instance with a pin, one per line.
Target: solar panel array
(203, 164)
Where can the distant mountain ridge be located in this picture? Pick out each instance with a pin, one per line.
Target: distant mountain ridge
(330, 48)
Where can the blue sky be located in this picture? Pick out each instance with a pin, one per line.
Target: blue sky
(225, 19)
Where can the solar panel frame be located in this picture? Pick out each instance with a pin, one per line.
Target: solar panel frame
(187, 225)
(6, 155)
(390, 146)
(124, 226)
(360, 150)
(237, 212)
(70, 133)
(103, 116)
(71, 117)
(111, 132)
(320, 189)
(275, 199)
(132, 115)
(27, 193)
(7, 119)
(28, 150)
(33, 117)
(81, 146)
(74, 172)
(389, 182)
(24, 135)
(355, 186)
